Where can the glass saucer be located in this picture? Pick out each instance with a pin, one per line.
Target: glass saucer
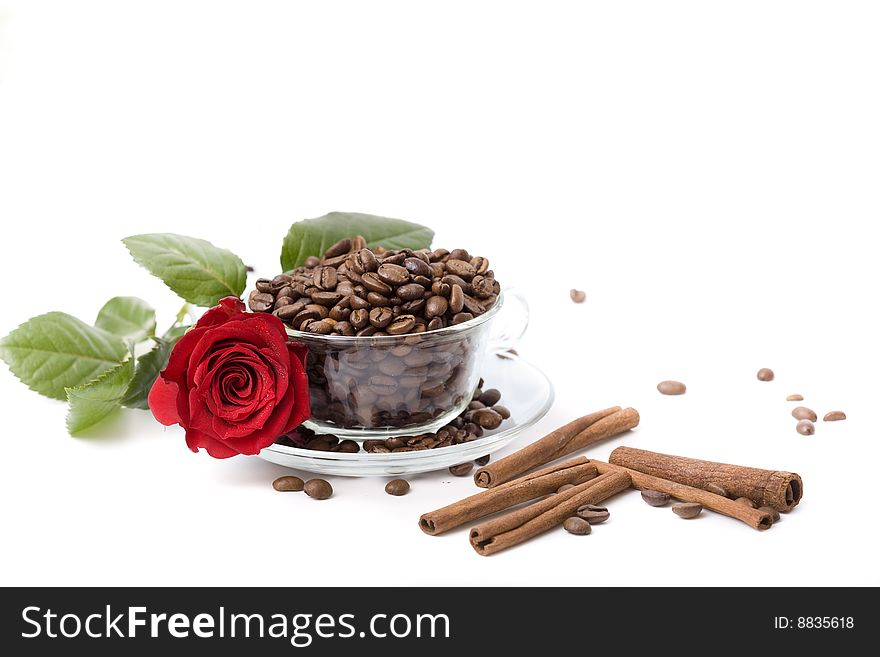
(525, 390)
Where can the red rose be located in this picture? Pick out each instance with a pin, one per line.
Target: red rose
(233, 382)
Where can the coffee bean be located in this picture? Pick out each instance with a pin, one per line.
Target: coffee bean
(593, 513)
(392, 274)
(456, 299)
(359, 318)
(687, 510)
(461, 318)
(487, 418)
(342, 246)
(578, 296)
(375, 284)
(320, 327)
(325, 277)
(564, 487)
(804, 413)
(483, 460)
(834, 416)
(358, 302)
(381, 317)
(365, 261)
(774, 514)
(418, 267)
(715, 488)
(410, 292)
(377, 300)
(795, 398)
(577, 526)
(436, 306)
(260, 301)
(745, 501)
(347, 447)
(402, 324)
(460, 268)
(288, 483)
(397, 487)
(490, 397)
(806, 428)
(311, 262)
(655, 497)
(501, 410)
(383, 384)
(264, 285)
(765, 374)
(671, 388)
(326, 298)
(318, 489)
(459, 254)
(462, 469)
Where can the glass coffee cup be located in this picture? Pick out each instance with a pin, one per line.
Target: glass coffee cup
(377, 387)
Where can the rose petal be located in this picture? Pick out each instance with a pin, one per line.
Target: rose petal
(162, 401)
(216, 448)
(228, 308)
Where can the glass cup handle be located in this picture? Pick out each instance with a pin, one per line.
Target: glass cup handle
(511, 323)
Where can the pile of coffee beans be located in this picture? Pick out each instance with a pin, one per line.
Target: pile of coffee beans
(355, 291)
(482, 414)
(352, 290)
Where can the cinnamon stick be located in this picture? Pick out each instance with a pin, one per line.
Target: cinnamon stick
(718, 503)
(522, 524)
(567, 439)
(774, 488)
(530, 487)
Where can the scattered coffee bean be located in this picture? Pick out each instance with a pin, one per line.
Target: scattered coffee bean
(687, 510)
(593, 513)
(715, 488)
(397, 487)
(655, 497)
(347, 447)
(795, 398)
(745, 501)
(765, 374)
(671, 387)
(774, 514)
(318, 489)
(483, 460)
(806, 428)
(578, 296)
(501, 410)
(804, 413)
(577, 526)
(487, 418)
(462, 469)
(834, 416)
(490, 397)
(288, 483)
(564, 487)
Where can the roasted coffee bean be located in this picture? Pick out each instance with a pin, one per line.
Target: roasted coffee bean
(410, 292)
(480, 264)
(325, 277)
(745, 501)
(462, 469)
(593, 513)
(418, 267)
(286, 313)
(358, 303)
(288, 483)
(577, 526)
(475, 405)
(490, 397)
(482, 287)
(483, 460)
(487, 418)
(397, 487)
(383, 384)
(318, 489)
(501, 410)
(564, 487)
(280, 302)
(461, 269)
(320, 327)
(402, 324)
(311, 262)
(373, 283)
(436, 324)
(414, 307)
(260, 301)
(359, 318)
(340, 311)
(392, 274)
(326, 298)
(655, 497)
(774, 514)
(715, 488)
(461, 318)
(806, 428)
(834, 416)
(795, 398)
(436, 306)
(459, 254)
(804, 413)
(765, 374)
(440, 253)
(344, 328)
(347, 447)
(687, 510)
(578, 296)
(342, 246)
(454, 280)
(381, 317)
(671, 388)
(441, 289)
(263, 285)
(377, 300)
(365, 261)
(456, 299)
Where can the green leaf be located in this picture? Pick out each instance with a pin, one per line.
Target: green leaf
(311, 237)
(194, 269)
(56, 351)
(92, 402)
(128, 317)
(148, 367)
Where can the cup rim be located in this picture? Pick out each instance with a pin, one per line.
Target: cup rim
(457, 329)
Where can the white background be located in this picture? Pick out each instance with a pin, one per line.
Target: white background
(707, 172)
